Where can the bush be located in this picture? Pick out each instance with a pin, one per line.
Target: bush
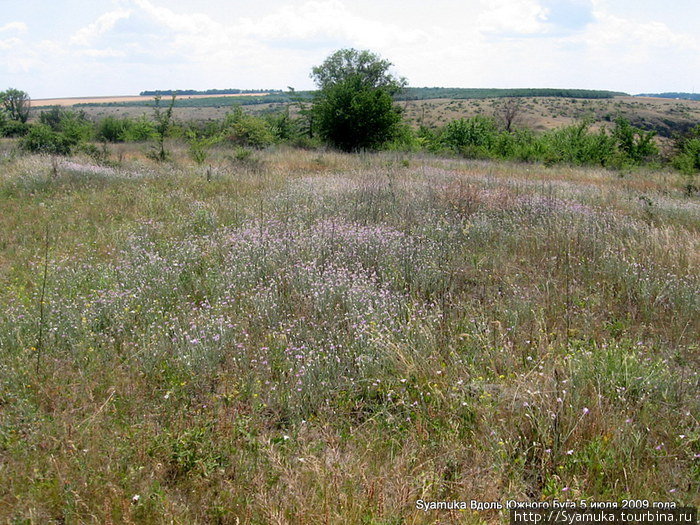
(139, 130)
(113, 129)
(42, 139)
(473, 137)
(576, 145)
(633, 143)
(687, 156)
(74, 125)
(15, 128)
(246, 130)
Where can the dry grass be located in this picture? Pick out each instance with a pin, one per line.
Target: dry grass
(313, 337)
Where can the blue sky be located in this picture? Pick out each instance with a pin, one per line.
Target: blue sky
(112, 47)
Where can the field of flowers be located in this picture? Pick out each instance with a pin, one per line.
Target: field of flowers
(308, 337)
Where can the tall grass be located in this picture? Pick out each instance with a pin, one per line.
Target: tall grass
(309, 337)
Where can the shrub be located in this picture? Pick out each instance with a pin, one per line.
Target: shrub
(42, 139)
(74, 125)
(139, 130)
(474, 136)
(633, 143)
(15, 128)
(113, 129)
(687, 157)
(283, 126)
(247, 130)
(576, 145)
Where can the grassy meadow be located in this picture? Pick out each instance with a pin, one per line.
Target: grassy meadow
(308, 337)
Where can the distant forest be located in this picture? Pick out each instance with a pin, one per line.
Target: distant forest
(410, 93)
(684, 96)
(230, 91)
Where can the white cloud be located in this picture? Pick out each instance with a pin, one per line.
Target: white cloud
(87, 35)
(499, 43)
(9, 43)
(523, 17)
(611, 30)
(19, 27)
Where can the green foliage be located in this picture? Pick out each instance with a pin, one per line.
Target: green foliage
(479, 137)
(42, 139)
(577, 146)
(354, 108)
(163, 122)
(139, 130)
(15, 128)
(366, 67)
(113, 129)
(633, 143)
(352, 117)
(189, 452)
(16, 103)
(687, 157)
(199, 145)
(246, 130)
(283, 126)
(74, 125)
(474, 136)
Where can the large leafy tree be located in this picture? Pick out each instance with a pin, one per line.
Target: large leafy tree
(16, 103)
(354, 106)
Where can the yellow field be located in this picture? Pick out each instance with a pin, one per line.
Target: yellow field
(71, 101)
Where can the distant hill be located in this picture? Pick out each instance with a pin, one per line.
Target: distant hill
(681, 96)
(422, 93)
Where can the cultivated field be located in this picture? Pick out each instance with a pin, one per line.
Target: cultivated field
(310, 337)
(72, 101)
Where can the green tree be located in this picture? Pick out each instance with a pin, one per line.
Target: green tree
(163, 125)
(16, 103)
(354, 108)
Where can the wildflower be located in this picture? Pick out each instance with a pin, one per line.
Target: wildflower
(585, 410)
(135, 498)
(569, 452)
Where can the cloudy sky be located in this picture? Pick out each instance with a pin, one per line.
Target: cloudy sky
(110, 47)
